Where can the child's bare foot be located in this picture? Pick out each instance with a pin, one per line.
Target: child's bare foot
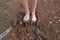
(26, 17)
(34, 18)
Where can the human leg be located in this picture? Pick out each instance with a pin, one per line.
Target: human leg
(33, 9)
(26, 9)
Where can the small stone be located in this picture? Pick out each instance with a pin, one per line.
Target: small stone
(50, 22)
(59, 20)
(55, 17)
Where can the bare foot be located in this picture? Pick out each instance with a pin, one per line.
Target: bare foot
(34, 18)
(26, 17)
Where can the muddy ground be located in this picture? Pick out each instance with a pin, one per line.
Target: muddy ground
(47, 26)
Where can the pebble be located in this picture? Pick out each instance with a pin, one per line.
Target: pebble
(59, 20)
(50, 22)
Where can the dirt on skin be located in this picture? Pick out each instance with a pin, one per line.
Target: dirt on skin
(47, 27)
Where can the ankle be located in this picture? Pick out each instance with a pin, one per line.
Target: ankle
(27, 12)
(33, 12)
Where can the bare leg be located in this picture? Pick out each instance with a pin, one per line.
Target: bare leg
(33, 8)
(26, 9)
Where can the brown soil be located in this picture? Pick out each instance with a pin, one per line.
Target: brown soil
(47, 27)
